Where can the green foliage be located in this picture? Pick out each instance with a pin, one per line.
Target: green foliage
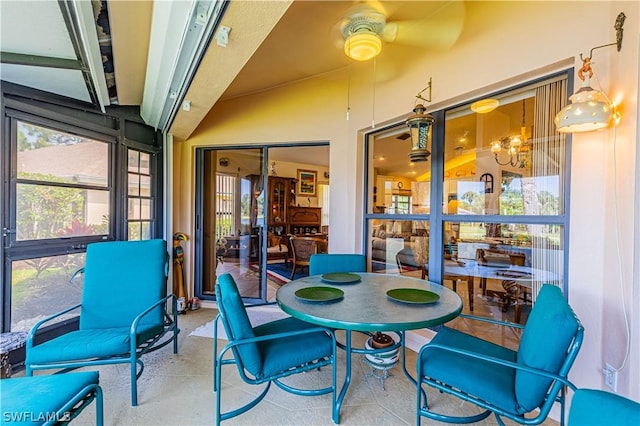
(472, 201)
(511, 202)
(43, 210)
(34, 137)
(549, 203)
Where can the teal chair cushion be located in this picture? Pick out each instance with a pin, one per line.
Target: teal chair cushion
(88, 344)
(32, 397)
(236, 322)
(590, 407)
(336, 262)
(134, 272)
(284, 353)
(491, 382)
(547, 335)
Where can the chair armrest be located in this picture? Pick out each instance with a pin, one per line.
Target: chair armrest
(277, 336)
(76, 273)
(260, 304)
(499, 361)
(492, 321)
(136, 320)
(34, 329)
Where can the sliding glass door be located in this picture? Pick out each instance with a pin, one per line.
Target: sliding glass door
(231, 205)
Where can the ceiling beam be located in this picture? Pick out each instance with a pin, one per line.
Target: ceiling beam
(80, 22)
(40, 61)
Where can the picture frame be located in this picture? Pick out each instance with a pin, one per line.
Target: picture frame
(307, 182)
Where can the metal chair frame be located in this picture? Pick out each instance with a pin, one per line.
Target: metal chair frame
(219, 361)
(169, 333)
(556, 392)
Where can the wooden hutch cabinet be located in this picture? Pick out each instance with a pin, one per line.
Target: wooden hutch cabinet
(281, 196)
(284, 217)
(305, 220)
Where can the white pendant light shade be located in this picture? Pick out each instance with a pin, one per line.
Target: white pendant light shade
(589, 110)
(363, 45)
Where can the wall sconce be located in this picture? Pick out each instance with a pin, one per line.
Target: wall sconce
(589, 109)
(419, 123)
(513, 145)
(224, 161)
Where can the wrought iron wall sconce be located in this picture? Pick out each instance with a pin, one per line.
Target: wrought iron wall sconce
(419, 123)
(589, 109)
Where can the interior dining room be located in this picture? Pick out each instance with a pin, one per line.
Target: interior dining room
(475, 153)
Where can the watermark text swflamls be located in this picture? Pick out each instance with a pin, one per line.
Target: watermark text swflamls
(31, 416)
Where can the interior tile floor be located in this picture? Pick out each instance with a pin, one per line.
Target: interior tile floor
(177, 390)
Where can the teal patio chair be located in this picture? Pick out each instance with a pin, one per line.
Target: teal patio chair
(323, 263)
(124, 312)
(497, 379)
(50, 400)
(269, 352)
(591, 407)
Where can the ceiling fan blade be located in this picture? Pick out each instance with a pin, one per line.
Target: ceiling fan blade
(390, 32)
(440, 30)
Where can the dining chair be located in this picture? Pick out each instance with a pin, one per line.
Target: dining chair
(267, 353)
(454, 278)
(322, 263)
(124, 312)
(499, 380)
(50, 400)
(302, 248)
(592, 407)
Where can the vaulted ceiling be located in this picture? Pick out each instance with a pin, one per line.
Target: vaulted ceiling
(161, 54)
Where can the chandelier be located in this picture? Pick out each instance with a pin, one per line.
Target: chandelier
(513, 145)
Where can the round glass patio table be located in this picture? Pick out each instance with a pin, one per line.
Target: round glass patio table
(365, 307)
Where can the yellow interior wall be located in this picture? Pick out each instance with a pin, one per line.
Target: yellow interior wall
(502, 43)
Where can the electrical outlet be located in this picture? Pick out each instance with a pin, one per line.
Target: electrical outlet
(610, 377)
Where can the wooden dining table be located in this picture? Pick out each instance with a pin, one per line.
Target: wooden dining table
(516, 276)
(371, 302)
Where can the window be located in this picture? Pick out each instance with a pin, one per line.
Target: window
(497, 198)
(72, 177)
(226, 220)
(139, 195)
(323, 191)
(62, 184)
(400, 204)
(63, 195)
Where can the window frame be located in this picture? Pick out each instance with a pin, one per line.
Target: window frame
(120, 128)
(436, 216)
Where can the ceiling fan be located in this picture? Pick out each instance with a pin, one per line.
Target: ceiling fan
(365, 26)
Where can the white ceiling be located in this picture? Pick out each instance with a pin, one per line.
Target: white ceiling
(37, 30)
(292, 43)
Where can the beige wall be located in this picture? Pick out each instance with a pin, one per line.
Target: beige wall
(502, 44)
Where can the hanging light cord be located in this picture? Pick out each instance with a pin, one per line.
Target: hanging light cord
(348, 92)
(373, 103)
(617, 233)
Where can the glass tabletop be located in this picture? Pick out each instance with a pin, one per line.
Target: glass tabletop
(366, 306)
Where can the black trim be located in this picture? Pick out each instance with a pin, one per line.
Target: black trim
(120, 128)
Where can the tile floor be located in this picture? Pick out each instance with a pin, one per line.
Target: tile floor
(177, 390)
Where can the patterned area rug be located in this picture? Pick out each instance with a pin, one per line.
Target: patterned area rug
(283, 272)
(280, 273)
